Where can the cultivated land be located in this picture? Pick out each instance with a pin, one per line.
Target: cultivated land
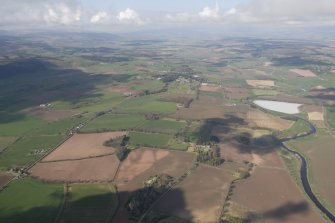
(121, 129)
(199, 197)
(82, 146)
(83, 170)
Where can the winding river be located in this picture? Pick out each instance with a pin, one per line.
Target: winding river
(303, 170)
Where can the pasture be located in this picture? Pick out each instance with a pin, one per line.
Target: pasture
(265, 120)
(30, 201)
(149, 139)
(90, 203)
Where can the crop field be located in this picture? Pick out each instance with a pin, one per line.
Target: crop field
(122, 89)
(83, 170)
(262, 92)
(5, 178)
(146, 105)
(264, 120)
(147, 85)
(211, 88)
(198, 202)
(320, 152)
(90, 203)
(203, 108)
(84, 146)
(114, 122)
(330, 116)
(27, 200)
(261, 83)
(298, 127)
(303, 73)
(270, 195)
(149, 139)
(242, 153)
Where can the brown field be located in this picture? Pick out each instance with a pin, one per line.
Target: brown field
(240, 153)
(123, 89)
(83, 146)
(86, 170)
(143, 163)
(236, 109)
(236, 92)
(320, 152)
(211, 88)
(288, 98)
(270, 195)
(261, 83)
(257, 73)
(326, 95)
(5, 141)
(47, 114)
(5, 178)
(204, 108)
(199, 197)
(303, 73)
(315, 116)
(264, 120)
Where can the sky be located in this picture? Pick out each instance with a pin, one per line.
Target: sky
(114, 15)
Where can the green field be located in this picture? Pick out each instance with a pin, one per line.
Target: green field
(27, 150)
(113, 122)
(90, 203)
(331, 117)
(27, 200)
(298, 127)
(162, 126)
(19, 126)
(150, 86)
(146, 104)
(6, 141)
(149, 139)
(260, 92)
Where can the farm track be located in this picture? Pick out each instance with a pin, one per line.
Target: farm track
(304, 170)
(76, 159)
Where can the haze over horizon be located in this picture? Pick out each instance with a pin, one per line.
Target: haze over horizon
(89, 15)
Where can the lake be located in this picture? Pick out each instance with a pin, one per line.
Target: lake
(278, 106)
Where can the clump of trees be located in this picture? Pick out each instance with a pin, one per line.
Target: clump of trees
(141, 201)
(209, 155)
(120, 144)
(152, 116)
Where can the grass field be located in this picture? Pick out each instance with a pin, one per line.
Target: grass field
(30, 201)
(6, 141)
(147, 104)
(163, 126)
(27, 150)
(90, 203)
(112, 122)
(149, 139)
(298, 127)
(150, 86)
(261, 92)
(19, 126)
(331, 117)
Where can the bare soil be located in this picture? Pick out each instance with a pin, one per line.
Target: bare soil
(264, 120)
(86, 170)
(270, 195)
(199, 197)
(303, 73)
(5, 178)
(83, 146)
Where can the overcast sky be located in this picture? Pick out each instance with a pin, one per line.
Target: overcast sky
(118, 14)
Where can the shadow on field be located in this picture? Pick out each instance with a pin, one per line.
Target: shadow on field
(283, 212)
(228, 130)
(99, 208)
(31, 82)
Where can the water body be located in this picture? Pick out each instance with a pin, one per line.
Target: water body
(278, 106)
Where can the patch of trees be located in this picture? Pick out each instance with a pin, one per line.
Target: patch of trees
(120, 144)
(209, 155)
(152, 116)
(244, 138)
(142, 200)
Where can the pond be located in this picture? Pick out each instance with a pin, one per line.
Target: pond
(278, 106)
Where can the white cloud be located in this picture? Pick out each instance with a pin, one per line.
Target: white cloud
(99, 17)
(209, 12)
(129, 16)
